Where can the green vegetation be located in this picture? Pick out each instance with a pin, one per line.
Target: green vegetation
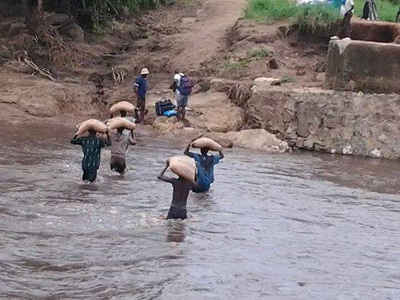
(312, 16)
(318, 19)
(95, 13)
(270, 10)
(91, 14)
(259, 53)
(275, 10)
(287, 79)
(237, 65)
(387, 10)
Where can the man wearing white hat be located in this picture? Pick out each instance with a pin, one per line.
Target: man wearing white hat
(141, 89)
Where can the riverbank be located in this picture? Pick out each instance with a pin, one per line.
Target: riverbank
(258, 85)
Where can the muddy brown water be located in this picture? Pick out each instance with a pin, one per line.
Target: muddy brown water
(291, 226)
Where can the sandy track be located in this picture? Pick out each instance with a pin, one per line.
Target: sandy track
(205, 35)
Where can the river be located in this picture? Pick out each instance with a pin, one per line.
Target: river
(291, 226)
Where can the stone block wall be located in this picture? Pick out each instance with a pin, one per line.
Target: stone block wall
(363, 66)
(329, 121)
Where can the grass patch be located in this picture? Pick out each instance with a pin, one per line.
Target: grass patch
(315, 15)
(387, 10)
(234, 69)
(317, 19)
(270, 10)
(259, 53)
(238, 65)
(287, 79)
(275, 10)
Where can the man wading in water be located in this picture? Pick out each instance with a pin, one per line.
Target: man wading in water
(91, 147)
(205, 168)
(119, 147)
(181, 190)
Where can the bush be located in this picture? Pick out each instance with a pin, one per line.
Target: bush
(93, 14)
(318, 19)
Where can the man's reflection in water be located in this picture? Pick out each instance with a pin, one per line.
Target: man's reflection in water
(176, 231)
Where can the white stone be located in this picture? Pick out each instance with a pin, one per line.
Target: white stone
(376, 153)
(347, 150)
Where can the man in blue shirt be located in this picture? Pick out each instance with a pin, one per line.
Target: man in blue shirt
(140, 87)
(205, 168)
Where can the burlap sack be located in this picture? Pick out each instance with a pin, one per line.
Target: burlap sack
(119, 122)
(96, 125)
(183, 166)
(207, 143)
(122, 106)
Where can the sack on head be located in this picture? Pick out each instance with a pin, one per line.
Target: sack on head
(119, 122)
(183, 166)
(91, 124)
(122, 106)
(205, 142)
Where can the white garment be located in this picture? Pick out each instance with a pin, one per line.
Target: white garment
(346, 7)
(177, 79)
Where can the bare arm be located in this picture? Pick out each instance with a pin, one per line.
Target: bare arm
(75, 140)
(132, 138)
(187, 152)
(136, 87)
(107, 140)
(165, 178)
(221, 155)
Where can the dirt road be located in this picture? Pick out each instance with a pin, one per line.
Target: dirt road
(204, 37)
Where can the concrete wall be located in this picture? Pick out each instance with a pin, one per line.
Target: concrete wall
(327, 120)
(364, 66)
(383, 32)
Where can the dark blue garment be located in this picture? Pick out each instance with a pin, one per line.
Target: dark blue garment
(89, 175)
(91, 147)
(177, 213)
(141, 84)
(205, 171)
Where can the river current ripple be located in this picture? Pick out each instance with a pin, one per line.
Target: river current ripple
(291, 226)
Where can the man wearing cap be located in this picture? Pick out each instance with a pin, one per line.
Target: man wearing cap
(141, 89)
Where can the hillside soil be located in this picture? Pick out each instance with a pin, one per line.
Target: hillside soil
(205, 39)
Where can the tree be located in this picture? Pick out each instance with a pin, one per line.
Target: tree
(33, 13)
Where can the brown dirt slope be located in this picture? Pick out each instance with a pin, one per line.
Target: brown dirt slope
(206, 33)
